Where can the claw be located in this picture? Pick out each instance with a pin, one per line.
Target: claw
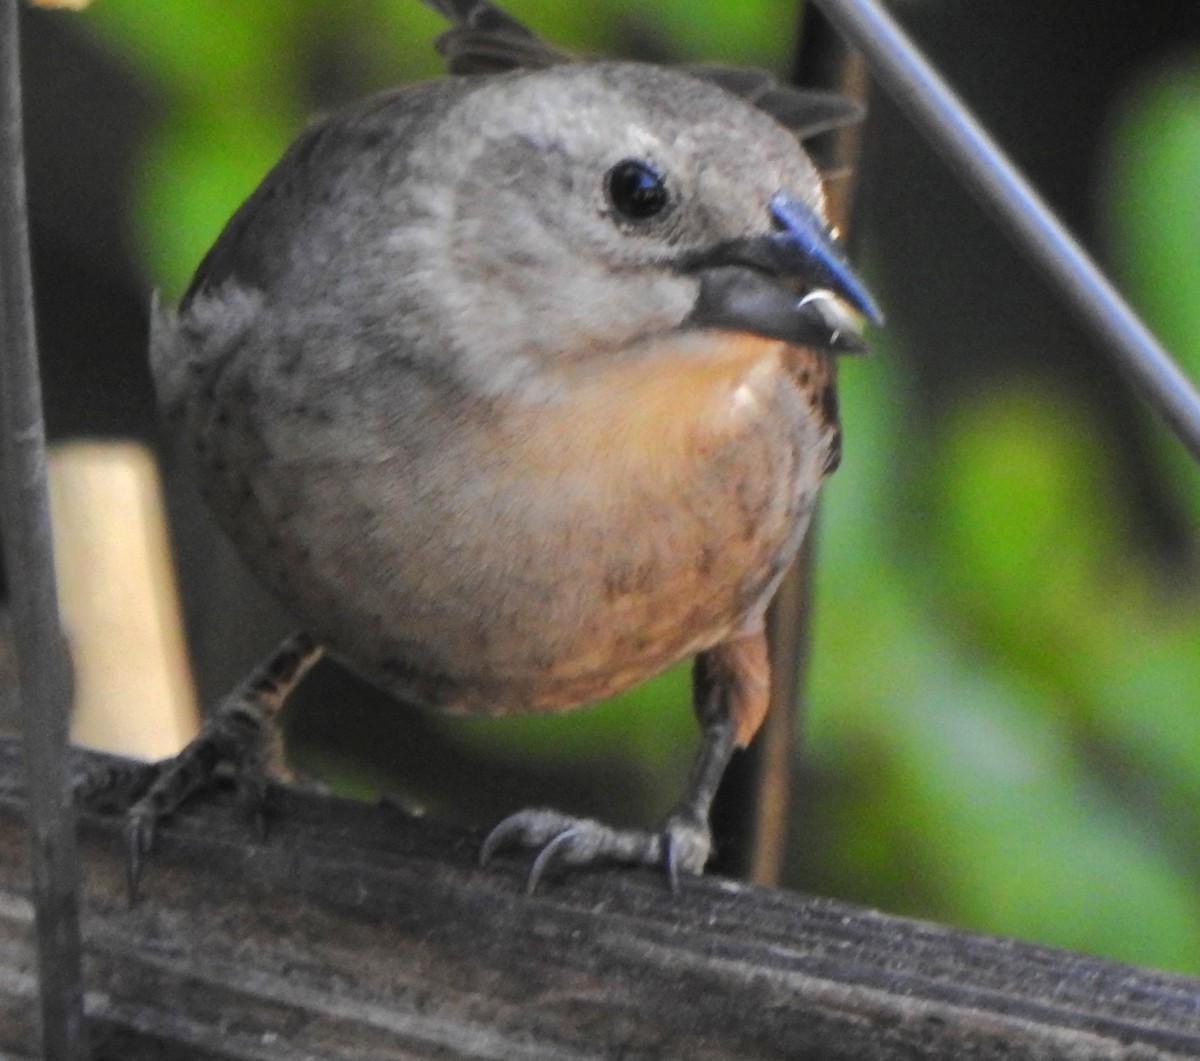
(532, 827)
(254, 797)
(672, 860)
(139, 839)
(547, 856)
(497, 838)
(680, 846)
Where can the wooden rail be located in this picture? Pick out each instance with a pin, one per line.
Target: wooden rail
(354, 931)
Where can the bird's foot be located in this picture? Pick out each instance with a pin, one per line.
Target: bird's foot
(681, 845)
(148, 793)
(240, 736)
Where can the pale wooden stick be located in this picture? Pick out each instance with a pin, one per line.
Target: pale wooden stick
(133, 687)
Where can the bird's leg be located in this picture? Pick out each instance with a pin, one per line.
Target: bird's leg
(243, 731)
(730, 685)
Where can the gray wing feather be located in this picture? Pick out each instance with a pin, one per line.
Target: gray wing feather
(807, 112)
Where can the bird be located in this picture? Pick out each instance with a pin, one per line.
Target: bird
(516, 387)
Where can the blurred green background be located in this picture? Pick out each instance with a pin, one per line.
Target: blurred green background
(1004, 721)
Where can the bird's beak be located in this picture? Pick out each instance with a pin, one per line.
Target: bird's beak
(791, 284)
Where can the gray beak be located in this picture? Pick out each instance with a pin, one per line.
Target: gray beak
(791, 284)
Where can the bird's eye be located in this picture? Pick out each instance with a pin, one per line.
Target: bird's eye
(636, 190)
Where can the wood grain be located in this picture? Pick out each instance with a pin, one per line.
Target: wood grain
(355, 931)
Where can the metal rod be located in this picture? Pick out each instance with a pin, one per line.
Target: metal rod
(42, 665)
(932, 105)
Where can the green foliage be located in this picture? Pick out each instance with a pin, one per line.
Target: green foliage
(1153, 169)
(1018, 775)
(1006, 720)
(239, 83)
(1024, 685)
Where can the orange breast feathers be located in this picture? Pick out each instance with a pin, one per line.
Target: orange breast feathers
(642, 413)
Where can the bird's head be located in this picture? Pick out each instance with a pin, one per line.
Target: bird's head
(587, 207)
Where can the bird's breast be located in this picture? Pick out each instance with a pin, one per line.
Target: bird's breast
(663, 500)
(548, 553)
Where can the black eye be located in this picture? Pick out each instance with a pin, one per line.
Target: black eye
(636, 190)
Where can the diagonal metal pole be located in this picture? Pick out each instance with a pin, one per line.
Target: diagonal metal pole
(933, 107)
(42, 665)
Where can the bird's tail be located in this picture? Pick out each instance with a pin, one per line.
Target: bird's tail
(487, 40)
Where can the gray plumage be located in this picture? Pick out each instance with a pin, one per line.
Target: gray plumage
(517, 387)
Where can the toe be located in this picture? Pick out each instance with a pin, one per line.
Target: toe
(687, 845)
(527, 828)
(681, 846)
(112, 786)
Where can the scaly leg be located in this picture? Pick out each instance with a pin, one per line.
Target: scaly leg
(730, 684)
(243, 731)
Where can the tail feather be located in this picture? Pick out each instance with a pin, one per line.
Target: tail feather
(487, 40)
(478, 15)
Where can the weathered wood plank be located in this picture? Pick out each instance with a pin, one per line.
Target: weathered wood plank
(355, 931)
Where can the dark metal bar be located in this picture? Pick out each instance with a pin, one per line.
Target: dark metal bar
(42, 665)
(933, 107)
